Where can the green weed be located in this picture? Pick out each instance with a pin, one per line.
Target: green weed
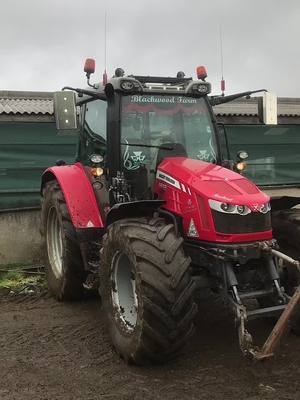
(17, 277)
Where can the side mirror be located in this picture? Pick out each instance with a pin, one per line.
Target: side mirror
(65, 111)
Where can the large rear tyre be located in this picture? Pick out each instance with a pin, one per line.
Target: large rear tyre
(146, 289)
(64, 266)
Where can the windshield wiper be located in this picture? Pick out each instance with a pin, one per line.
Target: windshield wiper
(148, 145)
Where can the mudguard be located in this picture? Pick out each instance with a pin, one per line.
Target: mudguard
(133, 209)
(78, 193)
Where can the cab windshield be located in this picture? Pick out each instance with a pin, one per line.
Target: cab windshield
(152, 122)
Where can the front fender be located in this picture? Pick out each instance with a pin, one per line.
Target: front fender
(133, 209)
(78, 193)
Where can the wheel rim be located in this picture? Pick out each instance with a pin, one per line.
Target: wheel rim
(123, 290)
(54, 242)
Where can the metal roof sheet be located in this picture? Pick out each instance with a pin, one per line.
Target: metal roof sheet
(289, 107)
(286, 107)
(237, 107)
(26, 103)
(41, 103)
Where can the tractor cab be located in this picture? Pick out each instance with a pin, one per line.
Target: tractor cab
(156, 126)
(135, 122)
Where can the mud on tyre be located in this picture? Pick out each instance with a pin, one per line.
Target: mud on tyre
(146, 290)
(63, 262)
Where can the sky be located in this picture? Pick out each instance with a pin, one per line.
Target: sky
(44, 42)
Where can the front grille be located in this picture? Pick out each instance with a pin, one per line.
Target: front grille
(235, 223)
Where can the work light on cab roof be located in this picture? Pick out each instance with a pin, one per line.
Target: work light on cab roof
(89, 66)
(89, 69)
(201, 72)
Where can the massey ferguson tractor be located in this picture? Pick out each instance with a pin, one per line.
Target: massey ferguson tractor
(150, 212)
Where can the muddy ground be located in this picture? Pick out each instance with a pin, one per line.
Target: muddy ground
(50, 350)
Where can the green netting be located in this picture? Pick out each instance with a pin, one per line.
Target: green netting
(26, 150)
(274, 152)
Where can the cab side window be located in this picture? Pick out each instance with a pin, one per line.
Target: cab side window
(95, 118)
(95, 127)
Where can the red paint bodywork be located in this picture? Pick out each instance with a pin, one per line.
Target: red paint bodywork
(195, 183)
(78, 193)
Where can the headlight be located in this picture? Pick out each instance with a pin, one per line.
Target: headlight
(127, 85)
(264, 208)
(96, 158)
(228, 208)
(130, 85)
(201, 88)
(238, 209)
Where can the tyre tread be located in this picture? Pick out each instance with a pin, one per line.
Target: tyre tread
(168, 291)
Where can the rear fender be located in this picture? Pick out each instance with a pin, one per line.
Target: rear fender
(78, 193)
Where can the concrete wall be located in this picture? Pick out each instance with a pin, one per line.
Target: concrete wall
(20, 238)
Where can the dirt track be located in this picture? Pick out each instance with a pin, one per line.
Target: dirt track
(55, 351)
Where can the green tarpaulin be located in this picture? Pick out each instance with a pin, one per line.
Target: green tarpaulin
(26, 150)
(274, 152)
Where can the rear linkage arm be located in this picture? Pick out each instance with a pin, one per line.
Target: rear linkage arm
(281, 326)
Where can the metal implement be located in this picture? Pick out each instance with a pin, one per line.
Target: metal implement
(282, 325)
(280, 328)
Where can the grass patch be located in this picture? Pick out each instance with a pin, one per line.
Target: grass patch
(19, 278)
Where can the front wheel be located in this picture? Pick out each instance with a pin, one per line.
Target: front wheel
(146, 290)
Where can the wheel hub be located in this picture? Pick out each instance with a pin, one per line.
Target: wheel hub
(54, 242)
(123, 290)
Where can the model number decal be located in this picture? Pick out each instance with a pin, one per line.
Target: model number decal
(168, 179)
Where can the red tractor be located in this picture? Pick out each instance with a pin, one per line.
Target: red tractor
(150, 212)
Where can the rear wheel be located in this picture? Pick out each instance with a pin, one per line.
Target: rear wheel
(146, 290)
(64, 266)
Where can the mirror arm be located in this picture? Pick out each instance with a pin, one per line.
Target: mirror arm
(95, 95)
(216, 100)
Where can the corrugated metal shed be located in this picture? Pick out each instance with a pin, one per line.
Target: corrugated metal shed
(41, 103)
(287, 107)
(238, 108)
(26, 106)
(28, 145)
(29, 141)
